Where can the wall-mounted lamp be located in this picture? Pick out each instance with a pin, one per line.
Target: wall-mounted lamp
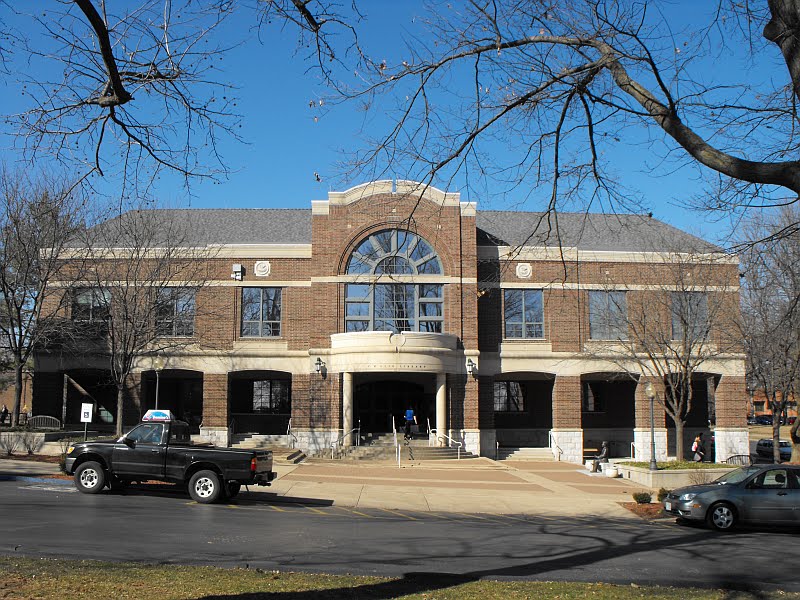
(319, 365)
(471, 366)
(237, 271)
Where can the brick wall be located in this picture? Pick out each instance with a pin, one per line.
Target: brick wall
(731, 391)
(567, 403)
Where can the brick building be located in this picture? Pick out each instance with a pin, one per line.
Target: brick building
(496, 327)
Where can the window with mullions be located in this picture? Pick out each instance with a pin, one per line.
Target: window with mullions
(509, 396)
(175, 312)
(523, 314)
(271, 396)
(608, 316)
(261, 312)
(397, 306)
(394, 252)
(90, 304)
(394, 307)
(689, 316)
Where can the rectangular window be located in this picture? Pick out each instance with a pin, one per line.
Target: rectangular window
(357, 307)
(271, 396)
(90, 304)
(689, 316)
(509, 396)
(175, 312)
(524, 314)
(394, 308)
(608, 316)
(261, 312)
(431, 309)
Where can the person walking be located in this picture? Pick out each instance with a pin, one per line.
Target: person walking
(699, 448)
(3, 414)
(411, 419)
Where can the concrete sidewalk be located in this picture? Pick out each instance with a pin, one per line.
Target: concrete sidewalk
(470, 486)
(466, 486)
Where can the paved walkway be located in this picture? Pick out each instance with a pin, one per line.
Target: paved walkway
(466, 486)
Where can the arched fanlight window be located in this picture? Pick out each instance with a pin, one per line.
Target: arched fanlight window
(394, 252)
(374, 306)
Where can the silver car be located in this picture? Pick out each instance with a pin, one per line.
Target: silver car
(759, 494)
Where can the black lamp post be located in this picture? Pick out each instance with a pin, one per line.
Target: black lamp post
(650, 392)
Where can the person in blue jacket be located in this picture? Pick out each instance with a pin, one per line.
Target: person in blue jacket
(411, 419)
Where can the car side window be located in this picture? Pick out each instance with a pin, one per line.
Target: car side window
(774, 479)
(147, 433)
(794, 484)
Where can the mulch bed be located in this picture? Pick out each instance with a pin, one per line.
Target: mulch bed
(648, 512)
(33, 457)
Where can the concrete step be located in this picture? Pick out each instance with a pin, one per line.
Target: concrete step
(539, 454)
(387, 453)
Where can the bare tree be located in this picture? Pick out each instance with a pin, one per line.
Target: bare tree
(558, 86)
(771, 314)
(671, 330)
(38, 219)
(138, 297)
(133, 89)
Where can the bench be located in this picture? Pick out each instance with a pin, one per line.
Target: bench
(744, 460)
(43, 422)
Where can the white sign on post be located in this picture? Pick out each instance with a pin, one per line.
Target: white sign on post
(86, 413)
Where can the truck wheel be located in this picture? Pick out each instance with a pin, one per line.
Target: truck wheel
(205, 487)
(90, 478)
(233, 488)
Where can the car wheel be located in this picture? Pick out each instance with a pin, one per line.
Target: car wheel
(205, 487)
(234, 487)
(721, 516)
(90, 478)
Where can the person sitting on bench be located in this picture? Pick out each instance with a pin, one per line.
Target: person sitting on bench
(600, 458)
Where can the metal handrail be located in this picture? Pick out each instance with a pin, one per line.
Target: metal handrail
(443, 437)
(552, 444)
(291, 438)
(342, 437)
(396, 443)
(231, 427)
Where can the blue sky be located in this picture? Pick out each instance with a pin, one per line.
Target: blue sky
(285, 146)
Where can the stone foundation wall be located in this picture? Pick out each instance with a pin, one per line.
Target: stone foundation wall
(641, 442)
(729, 441)
(571, 443)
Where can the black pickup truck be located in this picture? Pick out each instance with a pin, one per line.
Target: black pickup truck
(162, 450)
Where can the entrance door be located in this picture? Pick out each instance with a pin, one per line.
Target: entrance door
(376, 402)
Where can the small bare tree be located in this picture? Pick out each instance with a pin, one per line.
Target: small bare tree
(38, 219)
(771, 313)
(138, 298)
(684, 318)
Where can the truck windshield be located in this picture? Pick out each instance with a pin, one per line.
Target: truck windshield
(147, 433)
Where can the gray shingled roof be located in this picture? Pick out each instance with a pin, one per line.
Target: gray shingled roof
(603, 232)
(232, 225)
(495, 228)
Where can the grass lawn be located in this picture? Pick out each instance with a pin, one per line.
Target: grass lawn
(58, 579)
(765, 431)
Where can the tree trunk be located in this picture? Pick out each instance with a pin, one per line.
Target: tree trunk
(795, 459)
(18, 368)
(776, 437)
(120, 399)
(678, 439)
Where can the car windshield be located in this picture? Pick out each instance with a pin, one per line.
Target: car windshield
(785, 445)
(737, 475)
